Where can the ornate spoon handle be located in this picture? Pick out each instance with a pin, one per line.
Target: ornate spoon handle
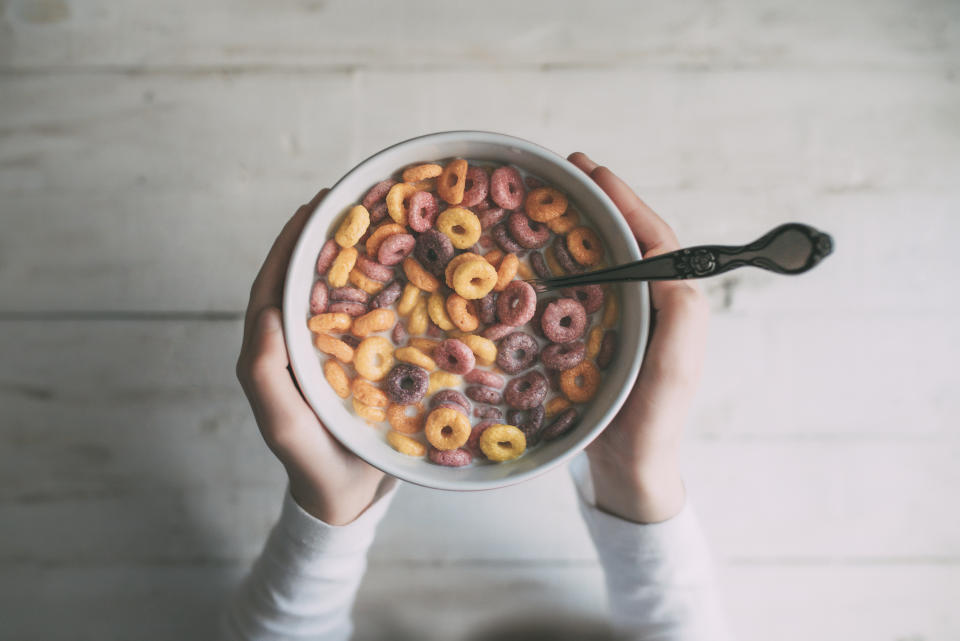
(792, 248)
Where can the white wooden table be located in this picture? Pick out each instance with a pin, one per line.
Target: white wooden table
(150, 151)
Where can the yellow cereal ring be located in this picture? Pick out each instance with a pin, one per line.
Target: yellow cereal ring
(425, 345)
(455, 262)
(585, 246)
(556, 405)
(397, 204)
(611, 311)
(406, 445)
(368, 394)
(342, 266)
(452, 181)
(438, 311)
(442, 380)
(524, 271)
(461, 226)
(594, 338)
(545, 204)
(333, 346)
(506, 271)
(380, 234)
(353, 227)
(552, 263)
(373, 358)
(580, 383)
(419, 276)
(402, 422)
(462, 312)
(566, 222)
(502, 442)
(494, 256)
(416, 357)
(474, 279)
(337, 377)
(329, 322)
(421, 172)
(419, 318)
(409, 297)
(378, 320)
(484, 349)
(430, 184)
(364, 282)
(367, 412)
(447, 429)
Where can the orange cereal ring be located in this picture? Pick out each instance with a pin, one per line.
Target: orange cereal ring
(343, 264)
(368, 412)
(447, 429)
(425, 345)
(474, 279)
(337, 377)
(368, 393)
(442, 380)
(460, 225)
(376, 321)
(506, 271)
(364, 282)
(484, 349)
(594, 339)
(419, 276)
(329, 322)
(419, 318)
(502, 442)
(462, 312)
(438, 312)
(566, 222)
(525, 272)
(416, 357)
(452, 181)
(421, 172)
(408, 299)
(403, 422)
(333, 346)
(494, 256)
(353, 227)
(585, 246)
(455, 262)
(406, 445)
(552, 264)
(545, 203)
(556, 405)
(373, 358)
(611, 311)
(398, 202)
(380, 234)
(579, 383)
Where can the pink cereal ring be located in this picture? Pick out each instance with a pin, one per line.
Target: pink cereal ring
(450, 458)
(349, 294)
(506, 187)
(454, 356)
(490, 217)
(348, 308)
(590, 296)
(395, 248)
(373, 269)
(327, 255)
(563, 320)
(473, 442)
(319, 296)
(527, 232)
(517, 303)
(484, 377)
(378, 193)
(423, 211)
(377, 213)
(498, 331)
(477, 186)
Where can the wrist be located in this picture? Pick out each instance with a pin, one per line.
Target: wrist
(640, 491)
(337, 510)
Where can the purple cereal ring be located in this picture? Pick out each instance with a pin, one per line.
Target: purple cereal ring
(563, 320)
(517, 352)
(406, 384)
(484, 377)
(504, 241)
(590, 296)
(517, 303)
(351, 340)
(563, 356)
(487, 411)
(560, 425)
(498, 331)
(319, 296)
(482, 394)
(387, 296)
(399, 334)
(564, 258)
(349, 294)
(539, 264)
(473, 442)
(348, 308)
(423, 211)
(528, 421)
(372, 269)
(378, 193)
(537, 315)
(506, 187)
(327, 255)
(395, 248)
(608, 349)
(451, 396)
(450, 458)
(526, 232)
(553, 377)
(527, 391)
(377, 213)
(433, 331)
(433, 250)
(532, 182)
(487, 309)
(477, 186)
(483, 243)
(454, 356)
(490, 217)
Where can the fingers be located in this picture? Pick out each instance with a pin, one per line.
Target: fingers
(582, 161)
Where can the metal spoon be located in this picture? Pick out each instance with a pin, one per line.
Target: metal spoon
(792, 248)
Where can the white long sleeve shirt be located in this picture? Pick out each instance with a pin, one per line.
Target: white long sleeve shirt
(303, 585)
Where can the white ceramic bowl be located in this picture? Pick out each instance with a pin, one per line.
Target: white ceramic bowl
(369, 443)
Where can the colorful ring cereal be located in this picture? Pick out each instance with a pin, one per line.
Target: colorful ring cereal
(425, 345)
(502, 442)
(529, 234)
(517, 303)
(563, 320)
(423, 211)
(372, 269)
(461, 226)
(442, 380)
(553, 265)
(337, 377)
(484, 377)
(419, 276)
(524, 392)
(406, 384)
(476, 187)
(398, 202)
(487, 411)
(333, 346)
(528, 421)
(434, 251)
(447, 429)
(590, 296)
(342, 266)
(378, 192)
(349, 294)
(518, 351)
(497, 331)
(451, 396)
(402, 422)
(491, 217)
(563, 257)
(560, 425)
(377, 213)
(394, 248)
(611, 311)
(585, 246)
(381, 233)
(368, 394)
(503, 239)
(506, 187)
(319, 296)
(437, 309)
(594, 339)
(450, 458)
(419, 318)
(353, 226)
(373, 358)
(563, 356)
(364, 282)
(484, 349)
(506, 271)
(387, 296)
(326, 256)
(454, 356)
(416, 357)
(487, 309)
(347, 307)
(408, 299)
(351, 340)
(566, 222)
(556, 405)
(399, 335)
(421, 172)
(482, 394)
(329, 322)
(458, 260)
(474, 279)
(368, 412)
(495, 257)
(406, 445)
(539, 265)
(545, 203)
(473, 443)
(378, 320)
(453, 181)
(579, 384)
(462, 312)
(608, 349)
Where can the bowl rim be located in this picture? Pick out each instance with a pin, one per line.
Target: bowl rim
(461, 136)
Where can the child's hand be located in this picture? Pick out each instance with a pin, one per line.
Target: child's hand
(634, 461)
(325, 479)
